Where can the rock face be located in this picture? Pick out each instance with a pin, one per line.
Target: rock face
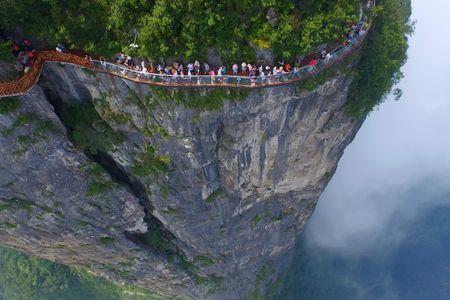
(243, 175)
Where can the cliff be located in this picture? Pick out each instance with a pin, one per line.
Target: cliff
(197, 194)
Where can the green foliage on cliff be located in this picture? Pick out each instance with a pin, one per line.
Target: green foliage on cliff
(25, 277)
(100, 182)
(185, 28)
(151, 164)
(384, 53)
(9, 104)
(5, 53)
(88, 130)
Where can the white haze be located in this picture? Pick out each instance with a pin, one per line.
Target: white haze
(402, 147)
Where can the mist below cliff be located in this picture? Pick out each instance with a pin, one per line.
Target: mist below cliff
(380, 230)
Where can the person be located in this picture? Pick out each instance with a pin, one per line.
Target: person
(261, 70)
(167, 70)
(102, 60)
(120, 58)
(207, 68)
(312, 64)
(15, 49)
(128, 61)
(61, 48)
(181, 69)
(267, 70)
(296, 70)
(244, 68)
(159, 68)
(23, 58)
(280, 72)
(212, 74)
(323, 53)
(197, 64)
(288, 67)
(328, 57)
(250, 68)
(235, 69)
(224, 70)
(190, 68)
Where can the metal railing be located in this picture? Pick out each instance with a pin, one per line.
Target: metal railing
(262, 80)
(29, 79)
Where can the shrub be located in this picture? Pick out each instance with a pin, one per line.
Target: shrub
(9, 104)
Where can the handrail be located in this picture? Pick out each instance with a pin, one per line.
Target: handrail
(337, 55)
(22, 85)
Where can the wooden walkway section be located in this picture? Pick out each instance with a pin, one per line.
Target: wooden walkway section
(25, 83)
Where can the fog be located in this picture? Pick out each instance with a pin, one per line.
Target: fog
(402, 151)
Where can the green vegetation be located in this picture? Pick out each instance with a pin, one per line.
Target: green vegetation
(15, 203)
(197, 99)
(157, 240)
(151, 164)
(100, 181)
(108, 114)
(256, 219)
(261, 277)
(184, 28)
(170, 210)
(213, 196)
(5, 52)
(25, 277)
(203, 261)
(384, 53)
(9, 104)
(106, 240)
(89, 131)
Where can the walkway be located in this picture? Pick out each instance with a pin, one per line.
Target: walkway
(28, 80)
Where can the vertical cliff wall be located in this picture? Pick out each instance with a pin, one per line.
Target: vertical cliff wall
(224, 180)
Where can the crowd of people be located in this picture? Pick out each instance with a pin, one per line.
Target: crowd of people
(195, 68)
(24, 52)
(177, 70)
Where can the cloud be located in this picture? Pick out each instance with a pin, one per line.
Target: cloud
(399, 163)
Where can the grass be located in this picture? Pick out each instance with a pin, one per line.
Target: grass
(9, 104)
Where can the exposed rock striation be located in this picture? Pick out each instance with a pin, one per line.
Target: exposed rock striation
(240, 177)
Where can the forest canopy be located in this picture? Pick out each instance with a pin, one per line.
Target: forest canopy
(383, 55)
(26, 277)
(184, 28)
